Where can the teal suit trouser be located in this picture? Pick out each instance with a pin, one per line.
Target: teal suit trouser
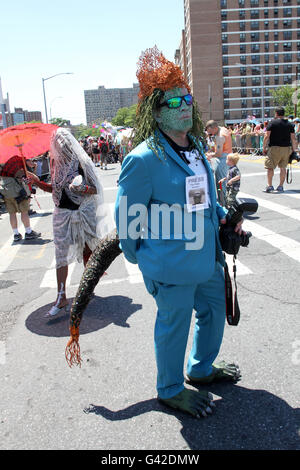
(175, 306)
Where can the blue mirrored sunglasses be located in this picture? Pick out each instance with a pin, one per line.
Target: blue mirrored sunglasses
(176, 101)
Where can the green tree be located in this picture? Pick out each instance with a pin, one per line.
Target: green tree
(125, 117)
(286, 96)
(59, 122)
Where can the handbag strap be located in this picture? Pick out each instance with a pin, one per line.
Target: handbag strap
(288, 172)
(232, 305)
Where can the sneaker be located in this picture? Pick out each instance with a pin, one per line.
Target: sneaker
(32, 235)
(280, 189)
(17, 237)
(269, 189)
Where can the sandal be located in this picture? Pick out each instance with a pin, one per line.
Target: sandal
(55, 309)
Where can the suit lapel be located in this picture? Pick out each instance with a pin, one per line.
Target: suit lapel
(186, 168)
(174, 155)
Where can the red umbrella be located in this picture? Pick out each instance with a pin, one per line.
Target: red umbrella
(25, 140)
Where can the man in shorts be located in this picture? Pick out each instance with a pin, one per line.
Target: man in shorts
(280, 137)
(14, 168)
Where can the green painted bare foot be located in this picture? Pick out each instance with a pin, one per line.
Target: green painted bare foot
(198, 404)
(221, 372)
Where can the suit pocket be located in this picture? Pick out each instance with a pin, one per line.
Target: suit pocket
(151, 286)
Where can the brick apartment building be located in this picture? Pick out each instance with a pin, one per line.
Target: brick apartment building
(103, 103)
(235, 51)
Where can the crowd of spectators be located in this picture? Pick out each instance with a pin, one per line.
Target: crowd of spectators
(247, 137)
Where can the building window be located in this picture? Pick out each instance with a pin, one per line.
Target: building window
(224, 27)
(254, 14)
(254, 3)
(244, 103)
(254, 25)
(276, 58)
(267, 71)
(266, 47)
(254, 36)
(255, 91)
(276, 46)
(287, 12)
(225, 60)
(276, 36)
(243, 92)
(241, 3)
(225, 83)
(243, 59)
(255, 59)
(242, 14)
(287, 68)
(225, 72)
(266, 36)
(266, 24)
(255, 70)
(226, 93)
(287, 24)
(226, 104)
(224, 15)
(276, 68)
(242, 37)
(242, 26)
(243, 71)
(287, 34)
(255, 81)
(266, 13)
(275, 24)
(287, 46)
(225, 49)
(224, 38)
(223, 3)
(242, 48)
(254, 47)
(287, 57)
(243, 81)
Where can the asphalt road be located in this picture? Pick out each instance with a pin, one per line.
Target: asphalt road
(110, 402)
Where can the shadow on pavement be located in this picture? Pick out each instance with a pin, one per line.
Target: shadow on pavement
(100, 312)
(243, 419)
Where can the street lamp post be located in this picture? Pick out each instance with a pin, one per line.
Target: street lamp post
(43, 81)
(262, 94)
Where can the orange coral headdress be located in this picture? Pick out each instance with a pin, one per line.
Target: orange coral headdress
(155, 71)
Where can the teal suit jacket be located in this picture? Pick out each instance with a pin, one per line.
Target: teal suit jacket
(166, 254)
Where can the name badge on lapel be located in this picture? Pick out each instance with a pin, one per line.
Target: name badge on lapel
(196, 190)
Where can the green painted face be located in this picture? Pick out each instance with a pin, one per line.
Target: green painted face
(176, 119)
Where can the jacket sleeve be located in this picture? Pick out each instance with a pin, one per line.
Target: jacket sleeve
(221, 211)
(132, 202)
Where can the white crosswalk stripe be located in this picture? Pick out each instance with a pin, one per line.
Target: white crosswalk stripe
(132, 274)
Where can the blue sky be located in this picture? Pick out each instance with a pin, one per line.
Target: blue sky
(99, 41)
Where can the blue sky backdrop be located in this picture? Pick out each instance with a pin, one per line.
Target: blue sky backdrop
(99, 41)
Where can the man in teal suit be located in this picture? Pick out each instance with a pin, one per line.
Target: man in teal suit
(168, 222)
